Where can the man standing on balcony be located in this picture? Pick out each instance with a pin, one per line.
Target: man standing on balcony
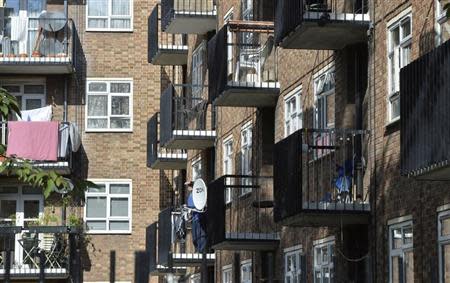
(198, 223)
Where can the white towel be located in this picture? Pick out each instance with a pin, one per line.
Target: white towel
(15, 28)
(39, 114)
(75, 138)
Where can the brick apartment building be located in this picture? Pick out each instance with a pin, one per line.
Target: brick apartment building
(312, 175)
(87, 61)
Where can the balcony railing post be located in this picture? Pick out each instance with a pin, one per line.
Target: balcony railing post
(41, 266)
(8, 260)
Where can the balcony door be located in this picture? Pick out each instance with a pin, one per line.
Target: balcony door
(20, 206)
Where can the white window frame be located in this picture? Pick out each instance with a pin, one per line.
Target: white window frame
(246, 264)
(21, 84)
(327, 71)
(198, 66)
(441, 19)
(443, 240)
(246, 163)
(108, 81)
(395, 54)
(293, 118)
(329, 243)
(196, 166)
(295, 251)
(403, 249)
(109, 17)
(107, 183)
(227, 270)
(228, 164)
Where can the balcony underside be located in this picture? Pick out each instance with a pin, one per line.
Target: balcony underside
(191, 139)
(192, 22)
(60, 167)
(329, 218)
(50, 66)
(192, 259)
(249, 242)
(248, 95)
(163, 270)
(171, 55)
(166, 162)
(435, 172)
(333, 35)
(33, 273)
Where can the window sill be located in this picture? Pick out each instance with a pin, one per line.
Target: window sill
(392, 123)
(126, 131)
(110, 30)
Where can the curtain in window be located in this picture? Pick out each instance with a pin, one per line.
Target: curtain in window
(97, 8)
(120, 8)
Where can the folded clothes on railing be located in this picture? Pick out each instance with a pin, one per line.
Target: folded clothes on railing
(68, 133)
(33, 140)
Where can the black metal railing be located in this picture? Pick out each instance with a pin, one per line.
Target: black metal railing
(290, 14)
(240, 208)
(38, 40)
(183, 110)
(42, 252)
(158, 40)
(170, 8)
(242, 54)
(154, 149)
(424, 96)
(64, 150)
(320, 170)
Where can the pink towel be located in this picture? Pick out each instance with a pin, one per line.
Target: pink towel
(33, 140)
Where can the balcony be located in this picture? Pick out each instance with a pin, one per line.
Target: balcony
(321, 24)
(240, 214)
(44, 43)
(184, 118)
(175, 251)
(165, 48)
(159, 157)
(242, 64)
(188, 16)
(151, 247)
(63, 163)
(425, 135)
(319, 178)
(40, 252)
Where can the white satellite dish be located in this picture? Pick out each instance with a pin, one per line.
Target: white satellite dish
(199, 194)
(52, 21)
(65, 190)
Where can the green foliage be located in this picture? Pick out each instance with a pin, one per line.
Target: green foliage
(8, 104)
(74, 221)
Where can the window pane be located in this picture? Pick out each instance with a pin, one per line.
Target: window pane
(119, 225)
(119, 207)
(8, 208)
(120, 105)
(12, 88)
(396, 269)
(119, 189)
(409, 266)
(28, 190)
(97, 87)
(97, 123)
(446, 262)
(101, 188)
(408, 235)
(120, 123)
(8, 190)
(445, 226)
(406, 55)
(96, 225)
(395, 107)
(98, 23)
(406, 28)
(98, 7)
(33, 89)
(31, 209)
(96, 207)
(120, 88)
(97, 105)
(31, 104)
(120, 23)
(396, 238)
(121, 7)
(395, 37)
